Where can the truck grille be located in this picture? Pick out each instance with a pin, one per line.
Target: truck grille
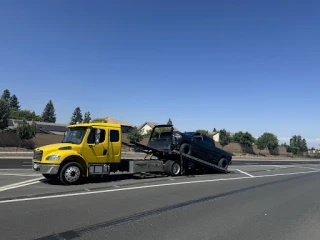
(37, 155)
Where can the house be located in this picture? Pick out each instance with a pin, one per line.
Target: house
(313, 151)
(216, 135)
(126, 127)
(148, 126)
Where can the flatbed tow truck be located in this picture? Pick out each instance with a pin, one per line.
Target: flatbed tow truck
(90, 149)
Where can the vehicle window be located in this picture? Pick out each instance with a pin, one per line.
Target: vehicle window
(177, 135)
(102, 136)
(198, 137)
(114, 136)
(208, 140)
(91, 137)
(74, 135)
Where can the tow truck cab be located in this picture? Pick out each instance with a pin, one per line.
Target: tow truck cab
(85, 150)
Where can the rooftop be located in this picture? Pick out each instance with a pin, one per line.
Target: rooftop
(116, 121)
(153, 124)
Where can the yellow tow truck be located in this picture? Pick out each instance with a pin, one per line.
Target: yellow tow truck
(95, 149)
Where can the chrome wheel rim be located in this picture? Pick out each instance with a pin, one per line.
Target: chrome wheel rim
(72, 174)
(176, 168)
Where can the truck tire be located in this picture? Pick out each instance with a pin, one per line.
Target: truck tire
(185, 148)
(71, 173)
(172, 168)
(223, 163)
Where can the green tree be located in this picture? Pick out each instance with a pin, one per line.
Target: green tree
(267, 140)
(214, 129)
(148, 133)
(76, 116)
(14, 103)
(6, 95)
(48, 114)
(304, 147)
(87, 117)
(169, 122)
(135, 135)
(101, 120)
(203, 132)
(297, 145)
(244, 138)
(26, 131)
(24, 115)
(224, 138)
(4, 114)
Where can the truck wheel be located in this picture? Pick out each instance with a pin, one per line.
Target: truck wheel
(185, 148)
(172, 168)
(223, 163)
(71, 173)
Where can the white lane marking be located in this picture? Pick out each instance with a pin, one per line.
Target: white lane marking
(245, 173)
(281, 166)
(149, 186)
(19, 174)
(307, 167)
(20, 184)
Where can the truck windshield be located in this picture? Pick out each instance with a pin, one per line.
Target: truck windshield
(74, 135)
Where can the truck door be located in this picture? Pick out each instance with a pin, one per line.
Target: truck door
(114, 149)
(211, 149)
(198, 149)
(97, 152)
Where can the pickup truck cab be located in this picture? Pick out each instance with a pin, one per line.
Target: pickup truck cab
(202, 146)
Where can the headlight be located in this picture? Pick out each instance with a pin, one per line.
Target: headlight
(53, 157)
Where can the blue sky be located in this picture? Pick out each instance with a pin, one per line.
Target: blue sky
(240, 65)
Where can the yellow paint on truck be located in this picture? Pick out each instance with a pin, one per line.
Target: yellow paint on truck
(87, 144)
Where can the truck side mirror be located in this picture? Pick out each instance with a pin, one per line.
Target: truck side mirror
(97, 136)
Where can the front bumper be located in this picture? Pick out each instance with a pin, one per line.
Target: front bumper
(46, 168)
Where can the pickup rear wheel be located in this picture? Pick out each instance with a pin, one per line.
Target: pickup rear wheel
(172, 168)
(71, 173)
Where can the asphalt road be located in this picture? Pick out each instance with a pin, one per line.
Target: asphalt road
(253, 202)
(25, 162)
(15, 163)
